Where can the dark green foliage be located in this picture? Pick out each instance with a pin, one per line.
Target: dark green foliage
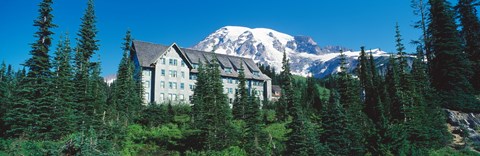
(86, 47)
(31, 113)
(211, 112)
(450, 68)
(471, 35)
(241, 97)
(335, 124)
(126, 98)
(349, 94)
(286, 100)
(64, 89)
(253, 138)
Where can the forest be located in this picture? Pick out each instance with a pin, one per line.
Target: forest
(59, 104)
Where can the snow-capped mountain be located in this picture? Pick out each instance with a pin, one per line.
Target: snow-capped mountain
(267, 46)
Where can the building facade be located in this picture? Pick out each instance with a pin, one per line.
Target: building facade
(169, 73)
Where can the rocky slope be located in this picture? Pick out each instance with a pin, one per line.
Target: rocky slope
(267, 46)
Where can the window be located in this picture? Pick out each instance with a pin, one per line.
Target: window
(192, 87)
(174, 85)
(193, 77)
(256, 73)
(195, 66)
(174, 97)
(170, 62)
(183, 63)
(228, 70)
(236, 81)
(170, 85)
(147, 96)
(175, 62)
(162, 84)
(170, 96)
(162, 60)
(162, 97)
(146, 84)
(183, 74)
(181, 97)
(230, 80)
(173, 73)
(146, 73)
(163, 72)
(231, 100)
(182, 86)
(230, 90)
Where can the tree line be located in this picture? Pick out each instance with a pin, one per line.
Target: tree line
(61, 105)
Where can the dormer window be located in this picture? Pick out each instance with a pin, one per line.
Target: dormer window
(256, 73)
(228, 70)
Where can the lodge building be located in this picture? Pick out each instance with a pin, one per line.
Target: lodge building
(169, 73)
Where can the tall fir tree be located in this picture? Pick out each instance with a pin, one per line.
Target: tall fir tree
(64, 89)
(86, 47)
(31, 114)
(241, 96)
(349, 95)
(128, 100)
(286, 100)
(471, 35)
(335, 123)
(211, 111)
(450, 68)
(253, 128)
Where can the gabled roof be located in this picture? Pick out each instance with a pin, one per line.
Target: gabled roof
(148, 53)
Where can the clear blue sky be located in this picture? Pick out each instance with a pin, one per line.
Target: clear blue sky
(349, 23)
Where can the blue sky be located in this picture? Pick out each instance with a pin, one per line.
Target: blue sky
(349, 23)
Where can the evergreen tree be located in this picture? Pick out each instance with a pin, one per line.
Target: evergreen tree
(97, 98)
(349, 94)
(420, 8)
(211, 111)
(450, 67)
(335, 124)
(63, 92)
(86, 47)
(127, 99)
(253, 136)
(32, 113)
(426, 124)
(241, 96)
(286, 100)
(471, 35)
(4, 98)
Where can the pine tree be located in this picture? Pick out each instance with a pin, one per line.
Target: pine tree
(96, 97)
(86, 47)
(420, 8)
(336, 136)
(211, 111)
(64, 90)
(127, 99)
(286, 100)
(471, 35)
(32, 113)
(427, 119)
(450, 68)
(349, 94)
(4, 98)
(253, 127)
(241, 96)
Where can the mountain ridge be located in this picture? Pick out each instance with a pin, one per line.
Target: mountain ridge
(266, 46)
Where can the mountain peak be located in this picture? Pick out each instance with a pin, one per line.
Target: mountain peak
(267, 47)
